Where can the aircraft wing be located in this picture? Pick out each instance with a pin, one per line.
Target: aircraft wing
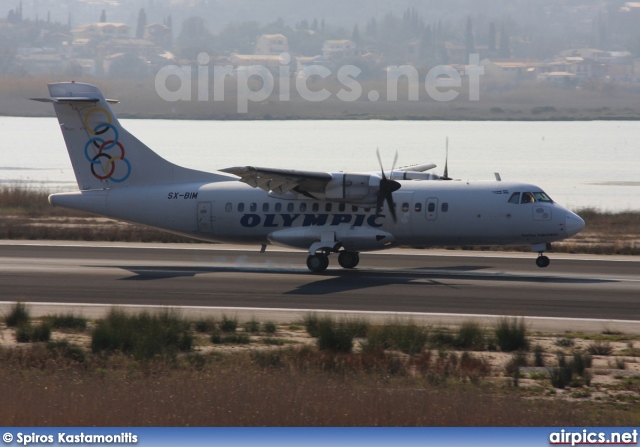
(280, 181)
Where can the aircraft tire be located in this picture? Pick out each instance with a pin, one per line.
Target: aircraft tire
(317, 263)
(542, 261)
(348, 259)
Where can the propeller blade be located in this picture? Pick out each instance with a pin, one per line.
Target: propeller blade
(380, 161)
(392, 207)
(446, 163)
(386, 188)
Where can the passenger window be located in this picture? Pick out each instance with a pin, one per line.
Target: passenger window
(228, 207)
(342, 207)
(328, 207)
(444, 207)
(515, 198)
(253, 207)
(315, 207)
(240, 207)
(290, 207)
(418, 207)
(265, 207)
(527, 197)
(542, 197)
(405, 207)
(303, 207)
(431, 208)
(278, 207)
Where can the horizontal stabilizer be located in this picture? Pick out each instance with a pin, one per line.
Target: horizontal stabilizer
(73, 99)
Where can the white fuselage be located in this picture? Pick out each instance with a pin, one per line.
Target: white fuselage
(429, 213)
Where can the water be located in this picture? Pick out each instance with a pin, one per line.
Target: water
(579, 164)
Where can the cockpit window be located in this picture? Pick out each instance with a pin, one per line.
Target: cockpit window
(542, 197)
(515, 198)
(527, 197)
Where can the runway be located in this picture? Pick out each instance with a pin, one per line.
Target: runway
(597, 291)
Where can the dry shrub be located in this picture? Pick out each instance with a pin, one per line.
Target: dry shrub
(448, 365)
(234, 392)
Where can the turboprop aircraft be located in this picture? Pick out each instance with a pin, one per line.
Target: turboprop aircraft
(343, 213)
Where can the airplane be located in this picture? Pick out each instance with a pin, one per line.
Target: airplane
(325, 213)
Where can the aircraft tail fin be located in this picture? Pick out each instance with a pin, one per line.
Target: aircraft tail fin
(103, 154)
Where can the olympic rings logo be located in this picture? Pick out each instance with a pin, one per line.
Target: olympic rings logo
(103, 146)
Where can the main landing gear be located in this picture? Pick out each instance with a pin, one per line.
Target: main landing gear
(319, 262)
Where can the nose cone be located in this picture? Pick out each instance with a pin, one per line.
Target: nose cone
(574, 224)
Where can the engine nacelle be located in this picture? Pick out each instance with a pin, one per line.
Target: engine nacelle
(353, 188)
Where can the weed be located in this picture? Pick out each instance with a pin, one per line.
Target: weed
(269, 327)
(581, 362)
(41, 332)
(144, 336)
(273, 341)
(252, 326)
(600, 347)
(581, 394)
(17, 316)
(538, 355)
(67, 350)
(228, 324)
(205, 325)
(441, 338)
(619, 363)
(539, 375)
(268, 359)
(470, 336)
(408, 338)
(68, 322)
(23, 333)
(558, 377)
(311, 323)
(236, 339)
(518, 360)
(334, 337)
(564, 342)
(511, 334)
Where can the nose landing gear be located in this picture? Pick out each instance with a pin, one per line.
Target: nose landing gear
(542, 260)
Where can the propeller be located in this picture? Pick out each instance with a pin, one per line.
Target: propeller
(387, 187)
(446, 164)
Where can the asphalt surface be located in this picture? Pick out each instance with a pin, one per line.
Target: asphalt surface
(445, 283)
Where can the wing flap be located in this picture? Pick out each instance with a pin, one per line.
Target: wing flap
(281, 181)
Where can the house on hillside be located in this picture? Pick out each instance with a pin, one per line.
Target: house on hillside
(270, 44)
(338, 49)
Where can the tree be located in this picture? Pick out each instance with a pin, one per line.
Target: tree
(142, 22)
(128, 66)
(505, 50)
(194, 38)
(492, 37)
(103, 16)
(468, 37)
(355, 35)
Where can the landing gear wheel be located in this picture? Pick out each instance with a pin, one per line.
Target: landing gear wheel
(318, 262)
(348, 259)
(542, 261)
